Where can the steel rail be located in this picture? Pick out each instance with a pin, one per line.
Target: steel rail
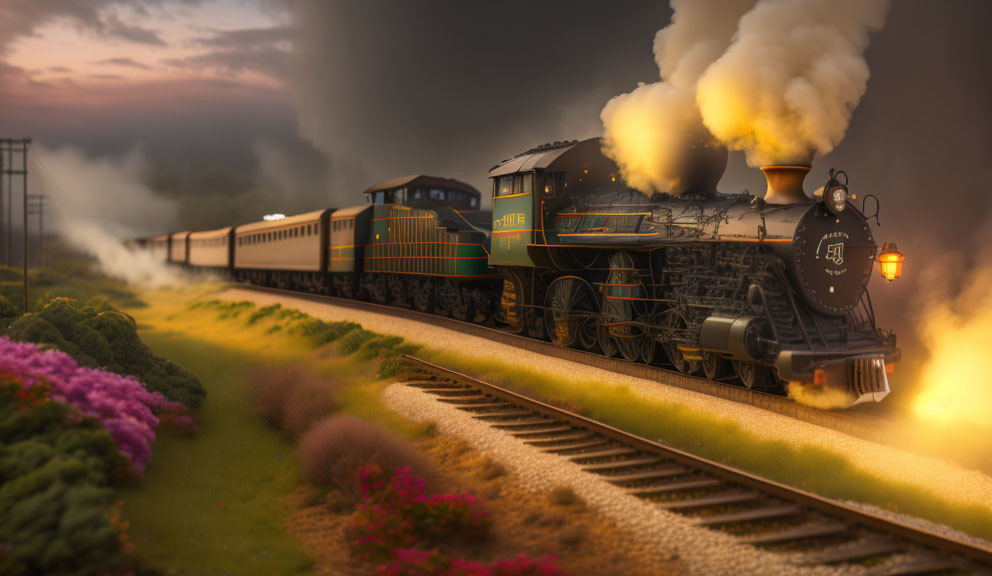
(865, 425)
(851, 515)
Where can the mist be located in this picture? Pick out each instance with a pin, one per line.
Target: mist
(99, 202)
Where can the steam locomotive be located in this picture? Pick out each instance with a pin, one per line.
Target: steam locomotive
(765, 290)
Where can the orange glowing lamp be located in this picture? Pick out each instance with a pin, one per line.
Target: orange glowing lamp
(890, 262)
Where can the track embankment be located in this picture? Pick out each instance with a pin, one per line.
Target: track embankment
(714, 518)
(876, 457)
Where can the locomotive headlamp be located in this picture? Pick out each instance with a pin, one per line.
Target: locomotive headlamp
(835, 198)
(890, 262)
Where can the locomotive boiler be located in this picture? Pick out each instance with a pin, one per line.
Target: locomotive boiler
(769, 290)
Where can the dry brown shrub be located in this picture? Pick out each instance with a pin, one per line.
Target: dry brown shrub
(271, 387)
(490, 469)
(309, 402)
(334, 448)
(291, 397)
(564, 496)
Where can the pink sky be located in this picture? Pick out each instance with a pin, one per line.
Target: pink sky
(65, 61)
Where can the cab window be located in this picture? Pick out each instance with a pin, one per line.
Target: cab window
(504, 186)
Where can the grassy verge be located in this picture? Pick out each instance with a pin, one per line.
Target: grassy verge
(214, 504)
(811, 468)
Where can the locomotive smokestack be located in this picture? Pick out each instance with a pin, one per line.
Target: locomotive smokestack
(785, 184)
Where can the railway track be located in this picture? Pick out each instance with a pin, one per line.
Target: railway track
(861, 423)
(815, 531)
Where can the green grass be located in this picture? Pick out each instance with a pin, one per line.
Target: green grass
(214, 504)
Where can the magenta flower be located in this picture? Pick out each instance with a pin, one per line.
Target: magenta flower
(124, 407)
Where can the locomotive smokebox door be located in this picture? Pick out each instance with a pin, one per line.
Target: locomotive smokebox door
(834, 255)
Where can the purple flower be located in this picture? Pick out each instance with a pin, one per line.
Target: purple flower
(124, 407)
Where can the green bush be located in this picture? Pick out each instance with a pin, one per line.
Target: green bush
(7, 309)
(354, 339)
(320, 332)
(55, 496)
(98, 336)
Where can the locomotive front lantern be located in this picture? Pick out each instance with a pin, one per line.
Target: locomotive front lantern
(890, 262)
(835, 198)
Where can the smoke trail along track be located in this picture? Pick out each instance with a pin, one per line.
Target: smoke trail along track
(757, 511)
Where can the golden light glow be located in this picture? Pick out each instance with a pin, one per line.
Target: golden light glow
(890, 262)
(956, 382)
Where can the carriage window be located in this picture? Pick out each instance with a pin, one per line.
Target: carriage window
(380, 197)
(437, 194)
(474, 202)
(399, 196)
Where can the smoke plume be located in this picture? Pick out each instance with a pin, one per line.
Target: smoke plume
(778, 79)
(98, 202)
(646, 130)
(786, 88)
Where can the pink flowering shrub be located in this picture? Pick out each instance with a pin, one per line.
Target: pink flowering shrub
(120, 403)
(435, 563)
(396, 512)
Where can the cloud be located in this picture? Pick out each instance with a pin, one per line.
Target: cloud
(236, 52)
(247, 37)
(105, 76)
(265, 60)
(19, 18)
(124, 63)
(111, 26)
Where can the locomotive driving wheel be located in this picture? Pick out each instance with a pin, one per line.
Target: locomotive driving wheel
(649, 349)
(714, 366)
(570, 313)
(753, 376)
(617, 335)
(676, 356)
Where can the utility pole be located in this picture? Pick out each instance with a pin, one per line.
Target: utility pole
(21, 145)
(8, 251)
(3, 223)
(36, 206)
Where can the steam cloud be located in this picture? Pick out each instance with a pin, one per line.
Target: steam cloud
(646, 130)
(778, 79)
(99, 202)
(956, 331)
